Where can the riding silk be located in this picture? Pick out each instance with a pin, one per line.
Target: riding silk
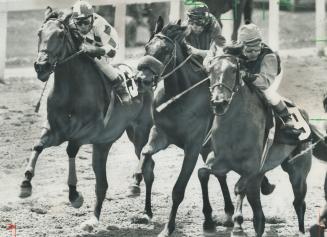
(102, 35)
(210, 34)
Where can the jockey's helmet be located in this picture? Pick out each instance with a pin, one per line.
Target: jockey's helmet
(83, 16)
(82, 10)
(249, 35)
(199, 14)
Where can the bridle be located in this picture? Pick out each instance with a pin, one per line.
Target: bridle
(171, 59)
(220, 84)
(67, 37)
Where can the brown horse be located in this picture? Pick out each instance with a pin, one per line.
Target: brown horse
(76, 108)
(238, 140)
(184, 123)
(239, 7)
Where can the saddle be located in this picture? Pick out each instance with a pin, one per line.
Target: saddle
(300, 121)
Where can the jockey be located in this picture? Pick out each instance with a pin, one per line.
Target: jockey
(100, 41)
(261, 66)
(203, 30)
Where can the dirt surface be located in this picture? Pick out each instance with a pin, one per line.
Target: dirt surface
(48, 212)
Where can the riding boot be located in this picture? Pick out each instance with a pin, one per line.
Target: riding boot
(121, 90)
(286, 117)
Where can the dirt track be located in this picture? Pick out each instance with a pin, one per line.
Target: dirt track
(48, 213)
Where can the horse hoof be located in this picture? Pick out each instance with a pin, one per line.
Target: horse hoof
(228, 222)
(90, 224)
(78, 202)
(25, 189)
(141, 219)
(268, 189)
(209, 226)
(166, 232)
(134, 191)
(238, 232)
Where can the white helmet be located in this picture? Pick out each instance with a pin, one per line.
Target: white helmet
(82, 9)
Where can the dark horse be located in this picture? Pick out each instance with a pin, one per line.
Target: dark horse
(238, 140)
(185, 123)
(321, 154)
(219, 7)
(76, 108)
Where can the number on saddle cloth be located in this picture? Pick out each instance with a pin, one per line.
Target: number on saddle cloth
(300, 123)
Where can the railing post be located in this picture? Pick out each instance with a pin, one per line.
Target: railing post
(175, 9)
(274, 24)
(3, 44)
(120, 21)
(320, 27)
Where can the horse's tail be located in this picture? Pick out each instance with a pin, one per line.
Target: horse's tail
(320, 149)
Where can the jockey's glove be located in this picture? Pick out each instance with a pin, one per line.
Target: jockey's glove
(92, 50)
(247, 76)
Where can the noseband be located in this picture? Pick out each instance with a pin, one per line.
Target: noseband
(221, 84)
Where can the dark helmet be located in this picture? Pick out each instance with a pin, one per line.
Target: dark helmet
(199, 14)
(82, 10)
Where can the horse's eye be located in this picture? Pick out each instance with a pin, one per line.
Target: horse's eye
(39, 32)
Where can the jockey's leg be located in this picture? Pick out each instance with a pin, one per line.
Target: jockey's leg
(280, 108)
(115, 79)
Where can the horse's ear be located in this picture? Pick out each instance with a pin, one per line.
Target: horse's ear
(47, 13)
(159, 25)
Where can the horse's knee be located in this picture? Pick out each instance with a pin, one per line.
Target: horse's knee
(38, 148)
(203, 174)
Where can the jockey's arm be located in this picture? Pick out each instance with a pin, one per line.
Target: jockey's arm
(109, 37)
(267, 74)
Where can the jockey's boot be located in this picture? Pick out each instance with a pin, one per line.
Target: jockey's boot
(121, 90)
(286, 117)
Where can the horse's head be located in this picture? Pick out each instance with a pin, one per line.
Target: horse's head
(160, 51)
(224, 81)
(52, 44)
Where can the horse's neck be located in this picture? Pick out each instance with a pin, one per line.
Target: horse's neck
(77, 76)
(246, 109)
(183, 78)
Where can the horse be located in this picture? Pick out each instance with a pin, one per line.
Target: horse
(239, 7)
(319, 229)
(77, 108)
(238, 140)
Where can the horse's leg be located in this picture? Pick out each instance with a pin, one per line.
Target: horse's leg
(44, 142)
(191, 153)
(99, 161)
(266, 187)
(323, 213)
(229, 207)
(75, 197)
(248, 11)
(240, 189)
(208, 224)
(158, 140)
(298, 172)
(238, 7)
(253, 196)
(139, 136)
